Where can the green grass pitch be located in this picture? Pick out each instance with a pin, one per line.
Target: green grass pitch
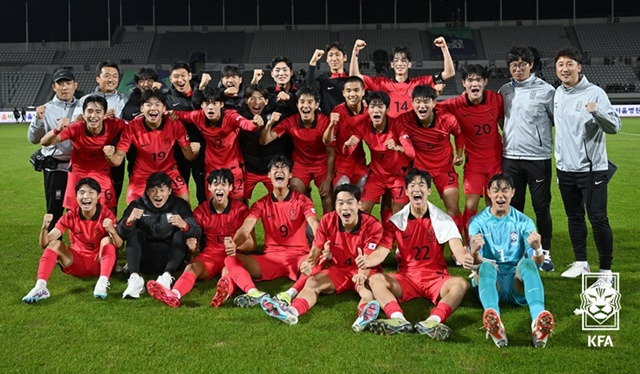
(72, 332)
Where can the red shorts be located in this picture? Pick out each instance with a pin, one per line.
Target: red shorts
(443, 180)
(213, 261)
(84, 265)
(477, 175)
(375, 188)
(280, 262)
(426, 285)
(341, 277)
(107, 197)
(353, 176)
(306, 174)
(137, 184)
(238, 182)
(252, 179)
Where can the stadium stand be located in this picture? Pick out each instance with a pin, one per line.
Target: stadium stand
(547, 39)
(38, 57)
(384, 39)
(297, 45)
(20, 88)
(610, 39)
(133, 48)
(222, 47)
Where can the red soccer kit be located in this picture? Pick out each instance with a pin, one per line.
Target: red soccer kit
(215, 227)
(399, 92)
(154, 153)
(421, 266)
(88, 160)
(344, 246)
(222, 148)
(353, 165)
(432, 146)
(309, 152)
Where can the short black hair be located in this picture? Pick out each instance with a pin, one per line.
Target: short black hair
(157, 94)
(225, 175)
(571, 53)
(499, 178)
(158, 179)
(144, 74)
(280, 159)
(212, 94)
(92, 183)
(348, 188)
(425, 91)
(413, 173)
(517, 53)
(354, 78)
(337, 46)
(230, 71)
(279, 59)
(95, 99)
(180, 65)
(253, 88)
(308, 91)
(404, 50)
(475, 69)
(381, 96)
(108, 64)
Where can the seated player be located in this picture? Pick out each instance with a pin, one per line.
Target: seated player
(349, 168)
(88, 137)
(345, 233)
(93, 240)
(391, 153)
(219, 218)
(153, 136)
(507, 237)
(156, 227)
(312, 160)
(285, 214)
(420, 230)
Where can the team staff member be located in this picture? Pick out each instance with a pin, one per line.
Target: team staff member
(46, 119)
(329, 85)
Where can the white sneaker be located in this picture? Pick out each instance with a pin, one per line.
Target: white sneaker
(100, 291)
(165, 280)
(36, 294)
(135, 286)
(576, 269)
(606, 278)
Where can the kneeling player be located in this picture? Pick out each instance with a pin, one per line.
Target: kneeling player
(346, 232)
(219, 218)
(93, 240)
(507, 237)
(421, 230)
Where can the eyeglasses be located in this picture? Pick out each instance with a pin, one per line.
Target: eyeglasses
(516, 66)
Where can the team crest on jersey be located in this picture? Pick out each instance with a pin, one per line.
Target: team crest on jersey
(431, 235)
(168, 143)
(532, 95)
(513, 236)
(490, 115)
(579, 106)
(293, 214)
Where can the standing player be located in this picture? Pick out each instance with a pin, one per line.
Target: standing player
(528, 119)
(285, 214)
(421, 230)
(430, 130)
(283, 94)
(93, 240)
(346, 233)
(153, 136)
(311, 158)
(330, 85)
(478, 112)
(231, 84)
(505, 241)
(46, 119)
(349, 168)
(145, 79)
(399, 88)
(219, 218)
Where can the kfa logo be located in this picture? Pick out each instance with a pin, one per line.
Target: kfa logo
(600, 306)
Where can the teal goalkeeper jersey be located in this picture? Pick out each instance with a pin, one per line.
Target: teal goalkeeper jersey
(505, 238)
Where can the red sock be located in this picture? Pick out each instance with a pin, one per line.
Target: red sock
(301, 305)
(107, 260)
(47, 263)
(442, 310)
(385, 214)
(238, 273)
(185, 283)
(391, 308)
(302, 279)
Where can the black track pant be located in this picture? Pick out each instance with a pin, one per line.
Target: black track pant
(155, 257)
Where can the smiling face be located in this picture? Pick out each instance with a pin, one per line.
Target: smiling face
(353, 93)
(568, 71)
(418, 192)
(94, 117)
(145, 84)
(336, 60)
(500, 194)
(87, 198)
(279, 174)
(307, 106)
(256, 103)
(400, 64)
(347, 207)
(220, 190)
(377, 113)
(152, 110)
(520, 70)
(212, 109)
(180, 79)
(423, 107)
(64, 89)
(108, 79)
(159, 195)
(474, 86)
(281, 74)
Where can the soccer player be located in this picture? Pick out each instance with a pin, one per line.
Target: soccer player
(430, 130)
(88, 136)
(478, 112)
(420, 230)
(47, 118)
(93, 240)
(349, 168)
(329, 85)
(219, 218)
(348, 234)
(505, 242)
(108, 78)
(153, 136)
(145, 79)
(285, 214)
(399, 88)
(311, 158)
(582, 117)
(156, 227)
(220, 128)
(391, 153)
(231, 84)
(528, 119)
(283, 94)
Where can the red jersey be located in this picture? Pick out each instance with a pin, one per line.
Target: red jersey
(87, 154)
(344, 245)
(399, 92)
(222, 148)
(85, 234)
(154, 147)
(432, 144)
(479, 125)
(216, 226)
(285, 221)
(342, 131)
(308, 148)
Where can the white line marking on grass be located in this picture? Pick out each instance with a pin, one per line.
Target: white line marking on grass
(628, 133)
